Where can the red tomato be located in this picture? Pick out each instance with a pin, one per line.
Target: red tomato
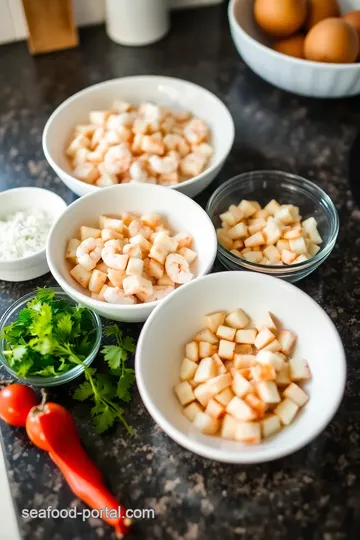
(16, 400)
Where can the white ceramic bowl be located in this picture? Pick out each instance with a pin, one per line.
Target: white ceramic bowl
(312, 79)
(182, 213)
(160, 349)
(164, 91)
(15, 200)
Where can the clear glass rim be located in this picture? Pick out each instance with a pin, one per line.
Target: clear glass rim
(296, 181)
(57, 379)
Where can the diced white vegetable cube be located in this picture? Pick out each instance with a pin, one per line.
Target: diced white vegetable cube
(283, 376)
(239, 231)
(286, 411)
(272, 231)
(240, 410)
(313, 249)
(293, 232)
(224, 239)
(206, 335)
(225, 396)
(301, 258)
(274, 346)
(244, 348)
(192, 410)
(283, 214)
(264, 337)
(188, 254)
(226, 349)
(310, 227)
(228, 427)
(265, 372)
(296, 394)
(249, 432)
(228, 219)
(219, 383)
(206, 424)
(271, 358)
(256, 239)
(205, 370)
(244, 360)
(256, 225)
(298, 246)
(184, 392)
(214, 320)
(272, 207)
(221, 369)
(71, 248)
(215, 409)
(203, 393)
(81, 275)
(240, 385)
(155, 269)
(134, 267)
(237, 319)
(137, 285)
(282, 244)
(287, 256)
(253, 256)
(299, 369)
(256, 404)
(192, 351)
(246, 336)
(188, 369)
(97, 281)
(89, 232)
(287, 341)
(226, 332)
(270, 426)
(272, 253)
(268, 392)
(247, 208)
(206, 349)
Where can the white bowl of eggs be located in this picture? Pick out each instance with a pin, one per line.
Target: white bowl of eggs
(308, 47)
(144, 129)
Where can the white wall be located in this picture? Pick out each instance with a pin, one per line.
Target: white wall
(13, 24)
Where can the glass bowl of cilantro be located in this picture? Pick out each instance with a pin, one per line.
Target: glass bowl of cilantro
(46, 339)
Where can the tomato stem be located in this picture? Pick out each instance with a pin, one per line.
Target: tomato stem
(43, 399)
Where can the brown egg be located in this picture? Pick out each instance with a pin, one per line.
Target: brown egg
(332, 40)
(321, 9)
(280, 18)
(353, 18)
(292, 46)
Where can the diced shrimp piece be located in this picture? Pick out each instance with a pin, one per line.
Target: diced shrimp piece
(115, 295)
(196, 131)
(97, 137)
(121, 106)
(178, 269)
(137, 284)
(88, 253)
(98, 117)
(107, 179)
(117, 159)
(79, 142)
(183, 239)
(192, 164)
(204, 148)
(153, 144)
(112, 256)
(170, 179)
(159, 293)
(87, 172)
(163, 165)
(151, 220)
(165, 280)
(138, 171)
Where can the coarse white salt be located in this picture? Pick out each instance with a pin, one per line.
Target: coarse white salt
(23, 233)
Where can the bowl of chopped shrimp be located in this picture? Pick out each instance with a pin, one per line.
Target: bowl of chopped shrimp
(123, 249)
(144, 129)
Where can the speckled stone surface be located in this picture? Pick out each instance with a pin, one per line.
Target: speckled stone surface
(313, 494)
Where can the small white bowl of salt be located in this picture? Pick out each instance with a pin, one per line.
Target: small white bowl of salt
(26, 217)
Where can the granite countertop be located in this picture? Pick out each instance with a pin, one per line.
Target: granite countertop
(313, 494)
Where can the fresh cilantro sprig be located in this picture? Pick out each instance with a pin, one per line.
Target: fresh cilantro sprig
(109, 390)
(48, 336)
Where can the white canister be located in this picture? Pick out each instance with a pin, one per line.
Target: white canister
(136, 22)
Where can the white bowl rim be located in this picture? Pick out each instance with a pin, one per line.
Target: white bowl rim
(42, 252)
(219, 454)
(93, 188)
(291, 59)
(91, 302)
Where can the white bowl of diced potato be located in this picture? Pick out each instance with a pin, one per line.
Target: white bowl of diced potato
(120, 250)
(252, 369)
(98, 113)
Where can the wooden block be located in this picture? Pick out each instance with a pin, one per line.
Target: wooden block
(51, 25)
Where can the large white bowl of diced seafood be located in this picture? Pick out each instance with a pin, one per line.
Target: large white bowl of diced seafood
(122, 250)
(144, 129)
(252, 368)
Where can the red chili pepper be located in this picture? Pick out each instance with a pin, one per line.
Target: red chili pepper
(52, 428)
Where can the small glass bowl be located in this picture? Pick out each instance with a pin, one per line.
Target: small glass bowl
(11, 314)
(286, 188)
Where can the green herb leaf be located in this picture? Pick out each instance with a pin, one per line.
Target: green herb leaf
(64, 326)
(83, 391)
(104, 420)
(45, 295)
(125, 383)
(113, 355)
(129, 344)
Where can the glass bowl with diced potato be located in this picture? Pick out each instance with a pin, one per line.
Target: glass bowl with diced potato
(252, 369)
(273, 222)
